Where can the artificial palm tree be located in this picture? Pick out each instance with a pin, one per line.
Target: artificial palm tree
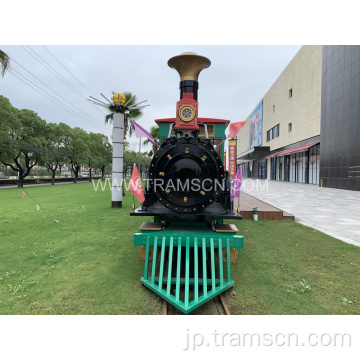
(154, 131)
(4, 61)
(129, 127)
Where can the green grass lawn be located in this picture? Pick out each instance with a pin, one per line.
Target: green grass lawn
(87, 263)
(288, 268)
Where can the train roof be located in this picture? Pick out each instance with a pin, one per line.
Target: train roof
(200, 120)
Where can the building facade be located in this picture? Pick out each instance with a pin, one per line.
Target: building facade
(300, 130)
(340, 117)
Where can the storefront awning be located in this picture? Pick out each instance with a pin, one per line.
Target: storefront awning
(293, 151)
(272, 155)
(254, 153)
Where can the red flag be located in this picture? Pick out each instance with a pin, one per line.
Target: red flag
(235, 127)
(136, 186)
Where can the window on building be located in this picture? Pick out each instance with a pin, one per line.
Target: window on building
(273, 133)
(276, 131)
(273, 108)
(269, 135)
(290, 93)
(290, 127)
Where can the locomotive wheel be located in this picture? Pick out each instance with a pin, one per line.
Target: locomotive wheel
(142, 253)
(234, 254)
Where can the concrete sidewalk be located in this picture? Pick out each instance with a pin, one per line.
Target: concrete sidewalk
(333, 211)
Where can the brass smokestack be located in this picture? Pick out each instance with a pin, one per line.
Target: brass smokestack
(189, 66)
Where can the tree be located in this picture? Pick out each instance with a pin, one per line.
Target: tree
(24, 140)
(76, 148)
(154, 131)
(8, 122)
(4, 61)
(129, 127)
(100, 152)
(131, 157)
(55, 138)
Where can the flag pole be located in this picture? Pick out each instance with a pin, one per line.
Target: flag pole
(216, 146)
(133, 203)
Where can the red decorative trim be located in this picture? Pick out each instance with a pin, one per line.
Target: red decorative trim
(204, 120)
(188, 96)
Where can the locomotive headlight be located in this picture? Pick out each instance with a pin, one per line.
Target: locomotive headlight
(187, 113)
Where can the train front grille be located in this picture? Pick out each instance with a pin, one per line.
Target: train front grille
(187, 270)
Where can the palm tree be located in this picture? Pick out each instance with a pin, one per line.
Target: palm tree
(154, 131)
(133, 114)
(5, 62)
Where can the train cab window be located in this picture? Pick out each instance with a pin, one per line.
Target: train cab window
(216, 142)
(210, 129)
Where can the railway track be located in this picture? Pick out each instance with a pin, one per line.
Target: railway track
(217, 306)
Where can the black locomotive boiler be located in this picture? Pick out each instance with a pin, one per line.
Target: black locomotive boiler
(187, 249)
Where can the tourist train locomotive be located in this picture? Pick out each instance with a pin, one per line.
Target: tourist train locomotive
(187, 248)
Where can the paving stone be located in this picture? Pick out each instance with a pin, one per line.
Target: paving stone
(333, 211)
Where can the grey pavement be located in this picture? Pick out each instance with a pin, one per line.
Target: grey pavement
(335, 212)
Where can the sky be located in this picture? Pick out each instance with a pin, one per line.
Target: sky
(239, 76)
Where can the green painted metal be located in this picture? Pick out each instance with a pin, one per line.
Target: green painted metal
(205, 243)
(191, 281)
(221, 276)
(187, 272)
(236, 241)
(228, 264)
(154, 263)
(204, 267)
(146, 269)
(178, 271)
(196, 271)
(212, 264)
(170, 266)
(162, 263)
